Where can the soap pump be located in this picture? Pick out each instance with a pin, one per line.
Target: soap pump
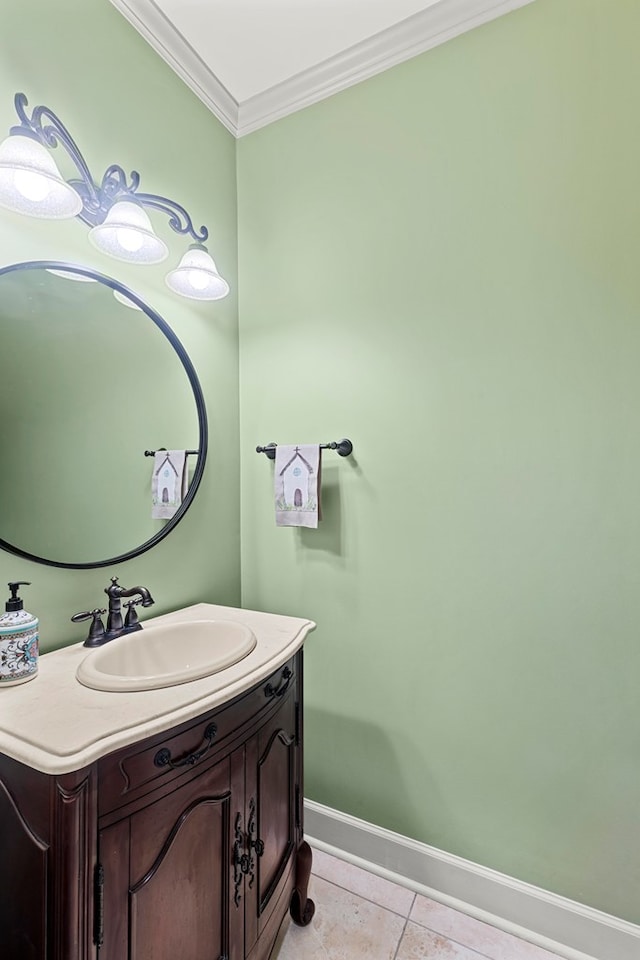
(18, 640)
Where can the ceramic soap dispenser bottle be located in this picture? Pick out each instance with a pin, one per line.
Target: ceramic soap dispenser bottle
(18, 640)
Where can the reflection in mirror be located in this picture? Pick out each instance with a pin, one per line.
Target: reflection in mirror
(86, 386)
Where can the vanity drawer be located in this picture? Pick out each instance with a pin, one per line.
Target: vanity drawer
(150, 764)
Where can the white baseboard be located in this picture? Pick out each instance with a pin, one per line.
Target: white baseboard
(570, 929)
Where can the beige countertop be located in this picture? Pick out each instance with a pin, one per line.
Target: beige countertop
(55, 724)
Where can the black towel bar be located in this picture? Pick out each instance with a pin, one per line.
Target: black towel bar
(152, 453)
(344, 448)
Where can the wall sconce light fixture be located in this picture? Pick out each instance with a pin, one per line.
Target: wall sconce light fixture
(114, 209)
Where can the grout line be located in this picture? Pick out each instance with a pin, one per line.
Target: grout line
(415, 897)
(407, 919)
(564, 928)
(479, 953)
(465, 946)
(440, 936)
(401, 938)
(397, 913)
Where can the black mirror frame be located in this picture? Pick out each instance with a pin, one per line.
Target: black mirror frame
(164, 328)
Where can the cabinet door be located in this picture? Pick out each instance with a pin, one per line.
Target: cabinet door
(272, 814)
(23, 905)
(47, 852)
(168, 874)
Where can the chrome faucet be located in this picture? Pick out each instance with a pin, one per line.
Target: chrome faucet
(115, 627)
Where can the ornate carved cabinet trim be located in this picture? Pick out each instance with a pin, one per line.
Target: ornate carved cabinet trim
(74, 842)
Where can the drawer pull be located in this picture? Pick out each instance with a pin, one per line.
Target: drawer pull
(281, 689)
(163, 757)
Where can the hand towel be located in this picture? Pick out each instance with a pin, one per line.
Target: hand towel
(169, 483)
(297, 485)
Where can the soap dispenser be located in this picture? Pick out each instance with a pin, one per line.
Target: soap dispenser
(18, 640)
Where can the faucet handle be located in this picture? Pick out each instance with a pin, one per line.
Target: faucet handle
(131, 621)
(96, 631)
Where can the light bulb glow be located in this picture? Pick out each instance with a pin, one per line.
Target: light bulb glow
(30, 182)
(129, 240)
(31, 185)
(197, 277)
(126, 234)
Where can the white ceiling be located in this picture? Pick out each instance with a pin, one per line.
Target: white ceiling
(253, 61)
(252, 45)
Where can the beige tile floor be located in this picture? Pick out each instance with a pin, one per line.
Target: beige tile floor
(360, 915)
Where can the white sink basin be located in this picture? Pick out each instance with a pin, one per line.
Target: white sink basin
(166, 655)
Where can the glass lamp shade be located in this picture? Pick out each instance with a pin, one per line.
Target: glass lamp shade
(126, 234)
(31, 183)
(68, 275)
(120, 297)
(197, 277)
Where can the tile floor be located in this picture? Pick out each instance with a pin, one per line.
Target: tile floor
(360, 915)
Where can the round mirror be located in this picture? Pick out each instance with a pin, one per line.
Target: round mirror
(91, 378)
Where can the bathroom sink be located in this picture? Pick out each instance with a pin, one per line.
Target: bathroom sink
(166, 655)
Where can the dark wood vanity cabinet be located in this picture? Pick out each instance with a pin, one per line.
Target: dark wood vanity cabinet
(185, 846)
(163, 881)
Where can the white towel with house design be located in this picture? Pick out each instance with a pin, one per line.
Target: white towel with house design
(169, 483)
(297, 485)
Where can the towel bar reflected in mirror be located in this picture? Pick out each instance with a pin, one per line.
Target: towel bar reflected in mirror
(152, 453)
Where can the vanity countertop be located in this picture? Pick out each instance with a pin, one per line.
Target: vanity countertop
(55, 724)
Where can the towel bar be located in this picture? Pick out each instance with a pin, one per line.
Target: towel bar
(343, 447)
(152, 453)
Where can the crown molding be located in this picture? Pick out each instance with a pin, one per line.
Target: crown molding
(440, 22)
(169, 43)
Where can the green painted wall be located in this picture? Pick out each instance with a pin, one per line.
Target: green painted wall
(124, 105)
(442, 264)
